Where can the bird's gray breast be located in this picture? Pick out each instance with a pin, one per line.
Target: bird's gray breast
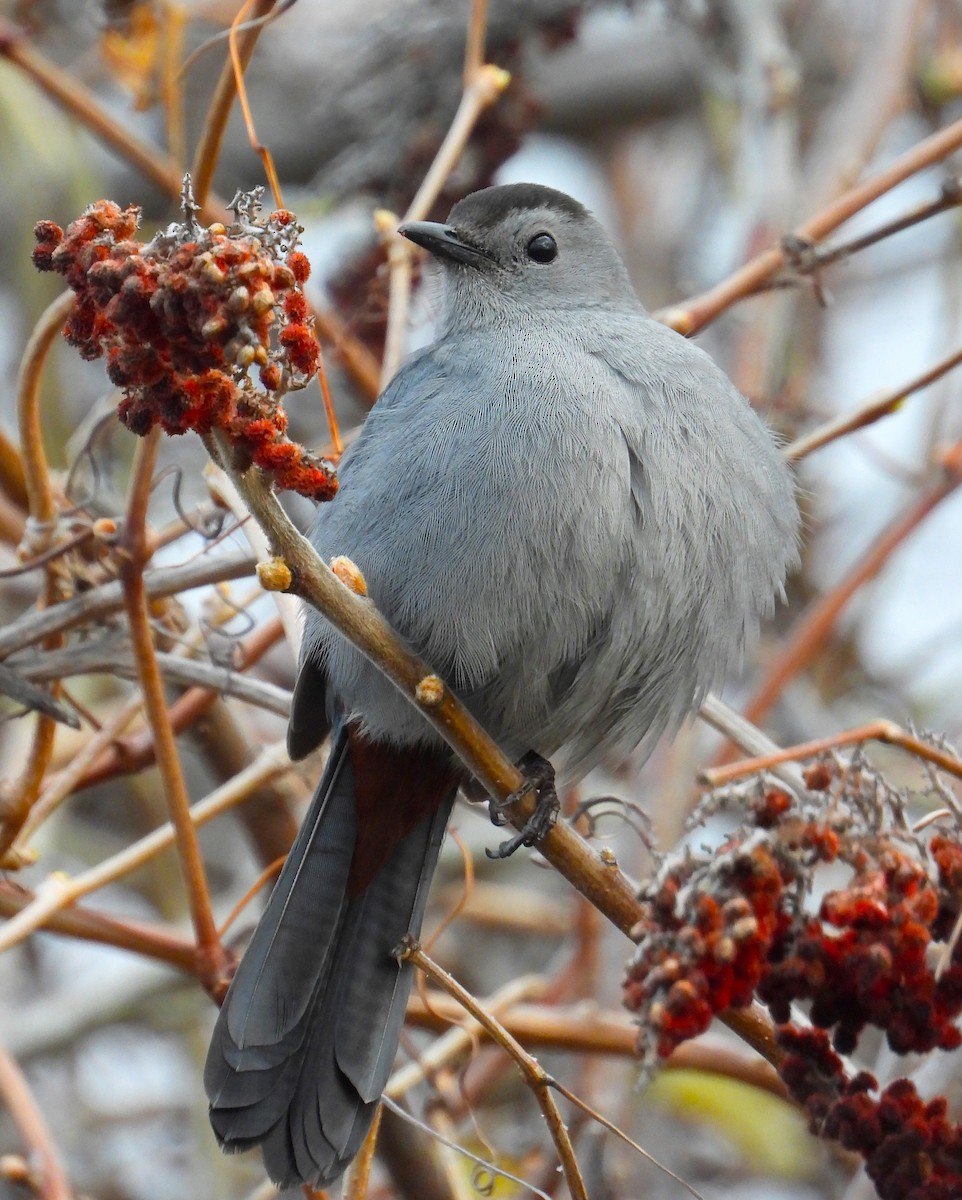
(577, 532)
(488, 504)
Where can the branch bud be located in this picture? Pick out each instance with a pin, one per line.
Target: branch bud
(349, 573)
(274, 575)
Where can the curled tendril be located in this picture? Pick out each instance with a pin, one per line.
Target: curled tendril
(223, 646)
(210, 524)
(630, 813)
(99, 432)
(483, 1179)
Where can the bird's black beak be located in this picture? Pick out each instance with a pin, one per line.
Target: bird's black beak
(443, 241)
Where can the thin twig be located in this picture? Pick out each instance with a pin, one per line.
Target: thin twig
(483, 84)
(117, 660)
(208, 147)
(101, 602)
(29, 698)
(873, 410)
(883, 731)
(533, 1073)
(137, 550)
(268, 764)
(159, 168)
(439, 1011)
(748, 737)
(809, 260)
(51, 1181)
(815, 627)
(692, 315)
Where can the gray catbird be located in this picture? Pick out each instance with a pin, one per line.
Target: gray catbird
(572, 515)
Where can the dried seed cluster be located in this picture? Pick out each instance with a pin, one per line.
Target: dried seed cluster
(185, 318)
(719, 930)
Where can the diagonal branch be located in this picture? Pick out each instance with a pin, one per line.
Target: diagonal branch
(534, 1074)
(159, 168)
(596, 876)
(53, 898)
(871, 411)
(101, 602)
(692, 315)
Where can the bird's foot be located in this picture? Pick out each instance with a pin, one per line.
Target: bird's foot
(538, 777)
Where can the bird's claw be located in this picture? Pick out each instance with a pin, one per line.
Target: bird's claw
(539, 777)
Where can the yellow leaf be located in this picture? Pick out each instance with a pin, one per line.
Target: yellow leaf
(741, 1112)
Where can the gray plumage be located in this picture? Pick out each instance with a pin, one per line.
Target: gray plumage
(570, 512)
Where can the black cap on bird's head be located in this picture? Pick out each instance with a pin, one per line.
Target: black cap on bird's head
(472, 219)
(525, 240)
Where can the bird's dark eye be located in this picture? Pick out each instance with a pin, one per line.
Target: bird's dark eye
(542, 248)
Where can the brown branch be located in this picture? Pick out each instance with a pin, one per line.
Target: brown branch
(592, 1031)
(102, 601)
(208, 147)
(692, 315)
(883, 731)
(460, 1034)
(535, 1076)
(91, 926)
(49, 1177)
(160, 169)
(299, 570)
(19, 797)
(137, 549)
(809, 260)
(868, 413)
(483, 84)
(815, 627)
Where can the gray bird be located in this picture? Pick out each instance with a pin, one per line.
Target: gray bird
(573, 516)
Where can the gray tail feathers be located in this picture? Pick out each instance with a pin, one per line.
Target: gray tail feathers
(308, 1032)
